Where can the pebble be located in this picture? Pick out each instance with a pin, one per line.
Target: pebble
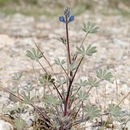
(6, 41)
(5, 125)
(121, 43)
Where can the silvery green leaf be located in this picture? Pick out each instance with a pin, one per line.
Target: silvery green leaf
(91, 112)
(15, 90)
(108, 76)
(61, 81)
(29, 88)
(93, 82)
(90, 50)
(90, 28)
(17, 76)
(41, 79)
(82, 96)
(114, 110)
(81, 50)
(103, 75)
(20, 124)
(72, 67)
(34, 54)
(52, 100)
(59, 62)
(27, 99)
(82, 83)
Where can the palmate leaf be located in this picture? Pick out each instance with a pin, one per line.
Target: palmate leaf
(93, 82)
(59, 62)
(29, 88)
(82, 96)
(91, 50)
(91, 112)
(17, 76)
(103, 75)
(60, 81)
(81, 51)
(114, 110)
(51, 100)
(72, 67)
(83, 82)
(27, 99)
(90, 28)
(34, 54)
(19, 124)
(14, 90)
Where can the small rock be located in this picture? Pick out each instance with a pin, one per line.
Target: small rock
(128, 125)
(5, 125)
(42, 18)
(121, 43)
(31, 128)
(29, 119)
(6, 41)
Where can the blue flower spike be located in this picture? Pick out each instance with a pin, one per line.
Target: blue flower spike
(62, 19)
(67, 16)
(67, 12)
(71, 19)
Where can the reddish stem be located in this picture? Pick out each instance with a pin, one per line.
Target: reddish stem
(68, 92)
(68, 46)
(51, 81)
(78, 110)
(22, 100)
(81, 44)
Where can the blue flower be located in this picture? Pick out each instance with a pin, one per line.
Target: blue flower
(67, 16)
(62, 19)
(71, 18)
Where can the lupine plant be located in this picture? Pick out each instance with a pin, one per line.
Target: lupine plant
(68, 107)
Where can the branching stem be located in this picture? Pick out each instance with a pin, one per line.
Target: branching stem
(22, 100)
(69, 88)
(51, 81)
(44, 56)
(81, 44)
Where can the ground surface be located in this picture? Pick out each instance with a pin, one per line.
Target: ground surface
(17, 33)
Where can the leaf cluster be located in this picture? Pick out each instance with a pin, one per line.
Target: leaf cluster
(103, 75)
(90, 28)
(34, 54)
(59, 62)
(17, 76)
(114, 110)
(86, 52)
(91, 111)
